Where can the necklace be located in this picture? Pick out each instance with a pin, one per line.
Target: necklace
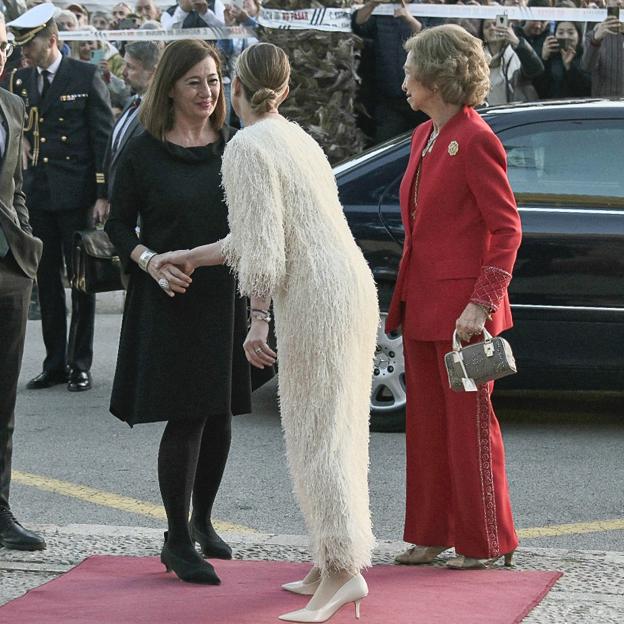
(431, 142)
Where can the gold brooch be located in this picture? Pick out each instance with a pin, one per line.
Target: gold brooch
(24, 92)
(453, 148)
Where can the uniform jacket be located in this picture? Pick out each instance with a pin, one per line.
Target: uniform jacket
(74, 122)
(14, 223)
(111, 156)
(463, 242)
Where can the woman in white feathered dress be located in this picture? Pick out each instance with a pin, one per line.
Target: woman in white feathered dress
(289, 241)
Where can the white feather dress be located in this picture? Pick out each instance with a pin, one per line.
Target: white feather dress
(289, 240)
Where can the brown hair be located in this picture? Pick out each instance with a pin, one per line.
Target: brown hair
(179, 57)
(47, 32)
(264, 71)
(452, 60)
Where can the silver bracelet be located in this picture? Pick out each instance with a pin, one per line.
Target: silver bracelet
(259, 315)
(145, 258)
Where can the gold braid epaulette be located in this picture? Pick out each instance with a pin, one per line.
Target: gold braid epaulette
(33, 124)
(12, 80)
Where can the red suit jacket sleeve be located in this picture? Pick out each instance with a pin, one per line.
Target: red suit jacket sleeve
(486, 175)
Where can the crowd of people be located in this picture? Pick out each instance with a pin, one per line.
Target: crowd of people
(530, 60)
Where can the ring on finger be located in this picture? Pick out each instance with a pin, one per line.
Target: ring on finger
(163, 283)
(258, 349)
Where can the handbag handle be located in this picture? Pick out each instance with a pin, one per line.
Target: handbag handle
(457, 346)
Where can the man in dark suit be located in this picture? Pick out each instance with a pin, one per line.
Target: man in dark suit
(70, 120)
(141, 59)
(19, 257)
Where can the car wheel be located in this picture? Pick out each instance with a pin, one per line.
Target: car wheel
(388, 391)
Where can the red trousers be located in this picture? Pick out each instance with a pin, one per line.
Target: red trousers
(457, 491)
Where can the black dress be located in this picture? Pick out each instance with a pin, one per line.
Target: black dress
(179, 357)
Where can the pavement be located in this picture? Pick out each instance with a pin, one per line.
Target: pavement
(590, 591)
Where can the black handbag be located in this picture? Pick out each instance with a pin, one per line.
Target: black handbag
(95, 263)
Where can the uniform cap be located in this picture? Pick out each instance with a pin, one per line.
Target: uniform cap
(29, 24)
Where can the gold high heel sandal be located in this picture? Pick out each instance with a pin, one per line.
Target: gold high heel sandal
(418, 555)
(352, 591)
(469, 563)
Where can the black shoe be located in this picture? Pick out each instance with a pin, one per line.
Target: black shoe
(188, 565)
(47, 379)
(79, 381)
(14, 536)
(211, 545)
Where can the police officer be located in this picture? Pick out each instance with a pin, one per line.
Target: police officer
(69, 121)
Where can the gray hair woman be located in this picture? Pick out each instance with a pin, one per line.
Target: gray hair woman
(462, 232)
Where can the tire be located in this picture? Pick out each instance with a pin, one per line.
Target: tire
(387, 410)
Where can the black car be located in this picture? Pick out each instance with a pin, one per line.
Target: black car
(566, 167)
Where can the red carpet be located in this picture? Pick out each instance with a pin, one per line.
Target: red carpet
(135, 590)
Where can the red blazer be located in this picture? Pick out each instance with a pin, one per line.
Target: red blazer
(463, 241)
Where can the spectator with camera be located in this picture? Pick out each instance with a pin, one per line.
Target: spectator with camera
(563, 75)
(244, 15)
(194, 14)
(603, 55)
(513, 63)
(534, 31)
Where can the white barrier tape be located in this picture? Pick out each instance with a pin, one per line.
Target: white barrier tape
(538, 14)
(208, 34)
(339, 20)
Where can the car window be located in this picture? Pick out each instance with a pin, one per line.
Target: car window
(568, 161)
(367, 184)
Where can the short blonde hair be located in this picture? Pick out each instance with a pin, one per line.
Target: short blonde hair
(450, 59)
(264, 72)
(156, 113)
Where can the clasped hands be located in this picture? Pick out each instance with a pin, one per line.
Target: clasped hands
(175, 268)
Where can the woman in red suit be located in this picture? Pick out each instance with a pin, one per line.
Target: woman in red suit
(462, 232)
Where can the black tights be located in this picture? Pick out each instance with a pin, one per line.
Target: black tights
(191, 461)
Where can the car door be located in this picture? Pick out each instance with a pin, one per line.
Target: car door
(363, 189)
(567, 293)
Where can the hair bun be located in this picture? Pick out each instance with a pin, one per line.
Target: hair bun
(262, 99)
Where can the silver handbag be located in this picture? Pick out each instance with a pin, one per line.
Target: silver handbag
(478, 363)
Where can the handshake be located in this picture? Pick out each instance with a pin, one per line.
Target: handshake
(172, 271)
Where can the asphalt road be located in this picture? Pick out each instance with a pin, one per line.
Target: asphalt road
(564, 460)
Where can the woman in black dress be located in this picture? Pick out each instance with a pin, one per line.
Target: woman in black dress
(180, 358)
